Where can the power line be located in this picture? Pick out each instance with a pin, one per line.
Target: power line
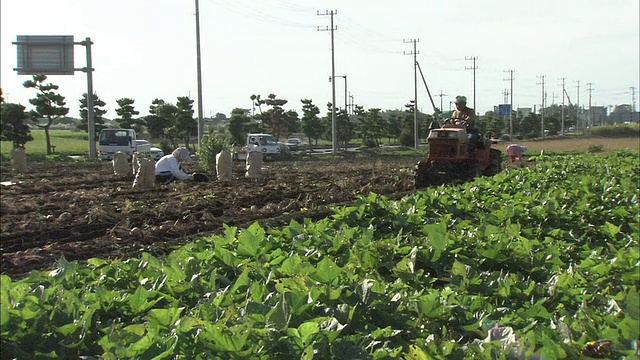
(510, 79)
(474, 67)
(334, 129)
(441, 95)
(415, 88)
(199, 73)
(579, 124)
(590, 119)
(562, 109)
(252, 12)
(543, 102)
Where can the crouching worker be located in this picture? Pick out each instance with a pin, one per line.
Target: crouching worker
(515, 152)
(168, 167)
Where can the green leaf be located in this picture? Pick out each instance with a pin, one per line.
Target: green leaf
(416, 353)
(436, 235)
(139, 300)
(459, 269)
(67, 329)
(429, 305)
(291, 266)
(631, 304)
(142, 345)
(96, 263)
(165, 318)
(250, 240)
(280, 314)
(611, 230)
(629, 328)
(537, 311)
(227, 257)
(5, 315)
(308, 329)
(326, 271)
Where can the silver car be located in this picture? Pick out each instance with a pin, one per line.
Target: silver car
(156, 153)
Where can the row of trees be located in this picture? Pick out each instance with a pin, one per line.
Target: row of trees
(166, 121)
(175, 123)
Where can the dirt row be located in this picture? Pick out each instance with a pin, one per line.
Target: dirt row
(81, 210)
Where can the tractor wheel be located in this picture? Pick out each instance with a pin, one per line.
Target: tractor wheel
(475, 172)
(421, 177)
(495, 164)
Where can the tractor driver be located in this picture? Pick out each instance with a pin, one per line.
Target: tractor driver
(466, 116)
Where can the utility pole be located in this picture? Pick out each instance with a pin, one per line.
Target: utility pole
(543, 98)
(578, 122)
(562, 109)
(416, 138)
(351, 103)
(345, 90)
(334, 130)
(633, 101)
(199, 69)
(474, 67)
(589, 89)
(505, 93)
(510, 103)
(441, 95)
(345, 93)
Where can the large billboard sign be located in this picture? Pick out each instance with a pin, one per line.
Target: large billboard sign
(504, 109)
(45, 54)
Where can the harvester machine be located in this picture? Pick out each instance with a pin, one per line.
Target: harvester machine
(451, 161)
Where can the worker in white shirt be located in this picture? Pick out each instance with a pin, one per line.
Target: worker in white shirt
(168, 167)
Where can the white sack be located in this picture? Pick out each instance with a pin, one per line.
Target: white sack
(224, 166)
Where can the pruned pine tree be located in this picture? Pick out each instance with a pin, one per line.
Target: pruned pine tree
(344, 127)
(13, 125)
(98, 112)
(238, 125)
(48, 105)
(160, 118)
(278, 121)
(312, 125)
(185, 124)
(126, 115)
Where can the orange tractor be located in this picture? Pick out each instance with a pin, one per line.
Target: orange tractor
(450, 159)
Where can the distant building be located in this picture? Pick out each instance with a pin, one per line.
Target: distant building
(597, 115)
(622, 114)
(524, 112)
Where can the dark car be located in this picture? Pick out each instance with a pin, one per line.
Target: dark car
(294, 144)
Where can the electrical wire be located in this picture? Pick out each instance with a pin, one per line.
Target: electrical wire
(253, 12)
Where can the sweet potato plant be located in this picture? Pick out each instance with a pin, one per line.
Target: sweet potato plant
(536, 262)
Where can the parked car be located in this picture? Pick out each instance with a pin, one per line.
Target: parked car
(294, 144)
(156, 153)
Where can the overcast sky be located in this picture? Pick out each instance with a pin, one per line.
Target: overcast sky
(146, 49)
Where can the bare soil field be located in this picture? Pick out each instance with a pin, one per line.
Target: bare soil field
(81, 210)
(580, 144)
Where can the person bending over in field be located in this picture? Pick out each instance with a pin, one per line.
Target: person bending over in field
(515, 152)
(168, 167)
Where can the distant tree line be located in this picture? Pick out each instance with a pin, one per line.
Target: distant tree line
(174, 124)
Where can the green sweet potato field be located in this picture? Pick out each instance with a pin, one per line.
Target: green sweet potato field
(537, 262)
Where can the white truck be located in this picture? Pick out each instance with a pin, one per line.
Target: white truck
(264, 143)
(114, 140)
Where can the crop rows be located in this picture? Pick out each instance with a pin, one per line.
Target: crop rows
(532, 263)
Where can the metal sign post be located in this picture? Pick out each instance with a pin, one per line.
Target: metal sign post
(53, 55)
